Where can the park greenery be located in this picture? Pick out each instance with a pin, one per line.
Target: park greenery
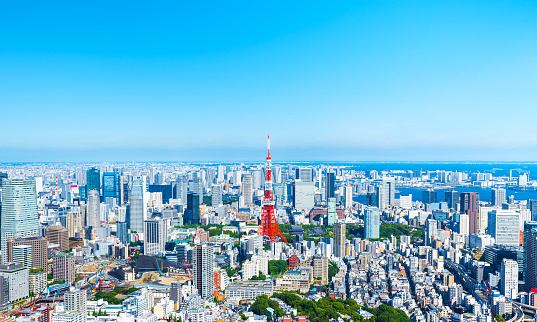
(326, 309)
(277, 267)
(261, 277)
(386, 231)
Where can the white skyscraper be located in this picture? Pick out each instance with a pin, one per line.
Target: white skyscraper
(19, 211)
(464, 224)
(504, 226)
(138, 205)
(498, 196)
(216, 195)
(509, 278)
(182, 188)
(348, 197)
(93, 209)
(155, 236)
(247, 189)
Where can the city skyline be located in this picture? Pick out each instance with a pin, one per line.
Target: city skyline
(391, 81)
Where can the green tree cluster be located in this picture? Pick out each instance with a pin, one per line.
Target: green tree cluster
(261, 277)
(333, 269)
(277, 267)
(262, 303)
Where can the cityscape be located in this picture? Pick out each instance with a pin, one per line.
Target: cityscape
(268, 162)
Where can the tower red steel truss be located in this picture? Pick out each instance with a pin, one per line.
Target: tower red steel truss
(269, 227)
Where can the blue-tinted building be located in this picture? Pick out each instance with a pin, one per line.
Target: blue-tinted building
(371, 222)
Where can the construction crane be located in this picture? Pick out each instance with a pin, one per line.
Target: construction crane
(187, 269)
(158, 267)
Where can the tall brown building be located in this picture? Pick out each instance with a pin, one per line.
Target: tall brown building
(470, 206)
(58, 235)
(39, 249)
(320, 268)
(63, 267)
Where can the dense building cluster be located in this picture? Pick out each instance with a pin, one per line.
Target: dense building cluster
(147, 242)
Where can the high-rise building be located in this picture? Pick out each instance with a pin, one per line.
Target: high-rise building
(123, 232)
(76, 301)
(532, 206)
(497, 196)
(19, 211)
(203, 270)
(138, 205)
(192, 212)
(63, 267)
(331, 211)
(247, 189)
(165, 189)
(464, 224)
(17, 277)
(528, 226)
(304, 195)
(305, 174)
(3, 175)
(73, 223)
(93, 209)
(452, 198)
(348, 197)
(39, 246)
(504, 226)
(197, 187)
(182, 188)
(330, 187)
(112, 184)
(509, 278)
(469, 202)
(216, 195)
(371, 222)
(58, 235)
(340, 239)
(22, 254)
(155, 236)
(430, 231)
(93, 179)
(429, 196)
(530, 242)
(320, 268)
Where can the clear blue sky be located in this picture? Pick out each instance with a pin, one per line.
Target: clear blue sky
(201, 80)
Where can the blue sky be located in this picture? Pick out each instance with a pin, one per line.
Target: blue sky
(356, 80)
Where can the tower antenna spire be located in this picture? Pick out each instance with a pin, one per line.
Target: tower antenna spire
(268, 144)
(269, 228)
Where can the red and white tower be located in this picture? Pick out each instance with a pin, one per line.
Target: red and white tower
(269, 227)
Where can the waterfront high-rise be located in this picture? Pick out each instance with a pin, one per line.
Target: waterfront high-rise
(452, 198)
(138, 205)
(530, 250)
(497, 196)
(429, 196)
(504, 226)
(469, 203)
(203, 270)
(371, 222)
(19, 211)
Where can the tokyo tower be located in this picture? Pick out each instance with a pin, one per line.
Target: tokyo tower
(269, 227)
